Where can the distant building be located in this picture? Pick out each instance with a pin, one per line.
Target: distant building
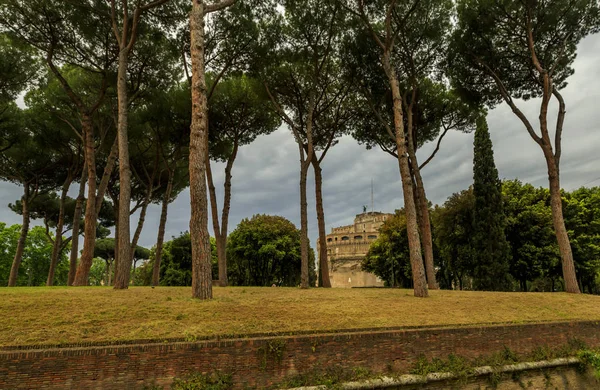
(348, 245)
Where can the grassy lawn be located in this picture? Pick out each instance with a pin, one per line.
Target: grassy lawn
(54, 315)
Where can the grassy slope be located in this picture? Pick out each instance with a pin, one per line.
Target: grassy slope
(66, 315)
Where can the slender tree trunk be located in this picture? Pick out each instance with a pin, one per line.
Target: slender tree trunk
(414, 242)
(105, 180)
(75, 230)
(222, 245)
(138, 229)
(57, 246)
(133, 271)
(142, 219)
(214, 213)
(161, 230)
(89, 240)
(14, 270)
(123, 256)
(552, 162)
(422, 207)
(201, 252)
(109, 272)
(564, 245)
(117, 232)
(303, 225)
(323, 265)
(304, 165)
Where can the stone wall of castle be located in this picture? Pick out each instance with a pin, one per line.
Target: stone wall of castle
(348, 245)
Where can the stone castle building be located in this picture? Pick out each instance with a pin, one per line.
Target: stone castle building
(348, 245)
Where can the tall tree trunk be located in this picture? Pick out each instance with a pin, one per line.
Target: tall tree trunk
(564, 245)
(75, 230)
(105, 180)
(552, 161)
(138, 229)
(201, 252)
(414, 242)
(123, 256)
(323, 265)
(109, 272)
(222, 245)
(214, 213)
(89, 239)
(142, 219)
(423, 218)
(58, 240)
(133, 271)
(161, 230)
(115, 199)
(304, 165)
(14, 270)
(303, 225)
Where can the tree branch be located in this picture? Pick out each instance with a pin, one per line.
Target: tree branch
(113, 16)
(508, 99)
(279, 110)
(560, 120)
(217, 6)
(437, 148)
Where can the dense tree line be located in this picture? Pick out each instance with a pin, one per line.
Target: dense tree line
(262, 251)
(534, 258)
(132, 103)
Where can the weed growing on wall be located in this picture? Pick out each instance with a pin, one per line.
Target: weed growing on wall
(215, 381)
(591, 359)
(271, 351)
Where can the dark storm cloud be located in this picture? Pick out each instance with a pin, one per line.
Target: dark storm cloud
(266, 173)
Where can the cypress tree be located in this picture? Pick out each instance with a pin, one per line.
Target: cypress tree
(491, 248)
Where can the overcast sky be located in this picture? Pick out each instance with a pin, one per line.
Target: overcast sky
(266, 173)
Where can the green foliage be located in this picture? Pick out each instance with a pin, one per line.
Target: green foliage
(491, 249)
(388, 256)
(176, 262)
(490, 41)
(26, 159)
(18, 66)
(265, 250)
(104, 254)
(217, 381)
(453, 229)
(534, 251)
(454, 364)
(534, 260)
(330, 377)
(592, 359)
(239, 111)
(582, 217)
(98, 276)
(7, 250)
(36, 257)
(272, 352)
(161, 132)
(417, 58)
(46, 206)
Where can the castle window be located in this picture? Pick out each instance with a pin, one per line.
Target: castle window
(345, 238)
(329, 239)
(358, 237)
(372, 237)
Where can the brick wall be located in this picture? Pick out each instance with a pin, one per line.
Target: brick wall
(260, 361)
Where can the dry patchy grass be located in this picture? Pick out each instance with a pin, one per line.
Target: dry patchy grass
(60, 315)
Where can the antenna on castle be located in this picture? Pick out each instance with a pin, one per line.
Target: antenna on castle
(372, 202)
